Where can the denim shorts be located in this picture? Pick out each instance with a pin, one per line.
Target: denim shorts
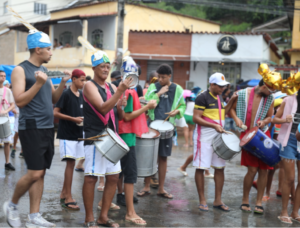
(290, 151)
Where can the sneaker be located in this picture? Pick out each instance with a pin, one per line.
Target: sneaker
(13, 152)
(21, 155)
(9, 167)
(38, 221)
(121, 199)
(11, 215)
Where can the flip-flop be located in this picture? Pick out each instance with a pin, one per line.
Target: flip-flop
(100, 188)
(245, 205)
(133, 220)
(279, 217)
(66, 205)
(113, 207)
(184, 173)
(79, 170)
(220, 207)
(143, 193)
(62, 200)
(165, 195)
(297, 219)
(90, 224)
(265, 198)
(259, 212)
(205, 206)
(108, 223)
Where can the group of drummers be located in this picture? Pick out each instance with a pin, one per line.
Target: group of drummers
(107, 126)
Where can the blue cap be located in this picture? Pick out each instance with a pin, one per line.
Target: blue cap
(6, 82)
(99, 57)
(38, 39)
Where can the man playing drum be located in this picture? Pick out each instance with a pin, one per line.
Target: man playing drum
(102, 108)
(254, 107)
(133, 124)
(170, 101)
(7, 104)
(209, 115)
(69, 111)
(34, 94)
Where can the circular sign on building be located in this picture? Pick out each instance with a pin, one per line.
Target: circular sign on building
(227, 44)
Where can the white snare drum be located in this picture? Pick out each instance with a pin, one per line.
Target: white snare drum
(5, 130)
(146, 151)
(166, 129)
(226, 146)
(111, 147)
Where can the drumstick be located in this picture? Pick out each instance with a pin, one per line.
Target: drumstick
(89, 139)
(228, 132)
(97, 136)
(172, 111)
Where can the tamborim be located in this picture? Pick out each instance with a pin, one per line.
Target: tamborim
(165, 128)
(135, 79)
(146, 151)
(112, 146)
(226, 146)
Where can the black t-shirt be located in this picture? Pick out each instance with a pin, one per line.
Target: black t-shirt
(70, 105)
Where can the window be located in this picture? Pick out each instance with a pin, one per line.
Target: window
(97, 38)
(4, 7)
(40, 8)
(297, 62)
(66, 38)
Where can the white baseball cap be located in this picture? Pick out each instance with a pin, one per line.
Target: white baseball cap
(219, 79)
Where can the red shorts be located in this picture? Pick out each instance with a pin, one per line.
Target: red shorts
(250, 160)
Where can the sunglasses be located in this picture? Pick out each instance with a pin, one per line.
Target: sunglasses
(221, 86)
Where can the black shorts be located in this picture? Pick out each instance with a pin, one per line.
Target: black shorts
(38, 147)
(165, 147)
(129, 167)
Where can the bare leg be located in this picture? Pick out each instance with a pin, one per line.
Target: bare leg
(186, 136)
(6, 152)
(66, 191)
(248, 180)
(16, 137)
(147, 184)
(80, 164)
(120, 185)
(219, 183)
(88, 196)
(261, 185)
(162, 170)
(191, 131)
(199, 179)
(35, 195)
(296, 207)
(280, 177)
(187, 162)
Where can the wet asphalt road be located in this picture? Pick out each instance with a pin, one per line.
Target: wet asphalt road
(182, 211)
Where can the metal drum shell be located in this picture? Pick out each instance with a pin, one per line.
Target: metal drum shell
(110, 148)
(146, 150)
(256, 145)
(5, 129)
(222, 150)
(164, 134)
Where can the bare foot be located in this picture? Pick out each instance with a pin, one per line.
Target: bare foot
(185, 145)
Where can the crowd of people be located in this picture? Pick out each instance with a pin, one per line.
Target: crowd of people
(89, 107)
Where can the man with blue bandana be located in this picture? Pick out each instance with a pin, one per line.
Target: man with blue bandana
(102, 108)
(35, 95)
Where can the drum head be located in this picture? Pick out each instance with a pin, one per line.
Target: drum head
(160, 125)
(151, 134)
(3, 119)
(232, 142)
(248, 136)
(135, 79)
(117, 138)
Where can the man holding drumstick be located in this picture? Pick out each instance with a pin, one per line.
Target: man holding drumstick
(254, 107)
(209, 115)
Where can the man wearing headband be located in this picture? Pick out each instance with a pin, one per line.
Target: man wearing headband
(254, 107)
(69, 111)
(102, 108)
(35, 95)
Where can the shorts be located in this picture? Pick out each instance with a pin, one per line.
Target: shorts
(38, 147)
(97, 165)
(16, 124)
(71, 149)
(180, 122)
(290, 151)
(249, 159)
(129, 167)
(229, 124)
(165, 147)
(207, 158)
(8, 139)
(189, 119)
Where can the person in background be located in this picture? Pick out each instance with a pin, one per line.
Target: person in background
(88, 78)
(55, 43)
(116, 77)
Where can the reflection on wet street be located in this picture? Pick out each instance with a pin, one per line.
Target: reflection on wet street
(182, 211)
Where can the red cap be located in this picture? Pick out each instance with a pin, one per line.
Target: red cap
(77, 73)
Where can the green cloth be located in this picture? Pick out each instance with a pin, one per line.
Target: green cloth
(129, 138)
(178, 99)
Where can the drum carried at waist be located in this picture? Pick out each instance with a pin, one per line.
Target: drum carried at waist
(226, 145)
(146, 151)
(260, 145)
(112, 147)
(165, 128)
(5, 130)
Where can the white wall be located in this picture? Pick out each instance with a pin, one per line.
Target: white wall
(107, 25)
(199, 75)
(204, 48)
(249, 71)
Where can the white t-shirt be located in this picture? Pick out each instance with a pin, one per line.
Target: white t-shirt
(8, 97)
(189, 108)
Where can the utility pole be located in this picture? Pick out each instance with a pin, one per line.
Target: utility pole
(120, 34)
